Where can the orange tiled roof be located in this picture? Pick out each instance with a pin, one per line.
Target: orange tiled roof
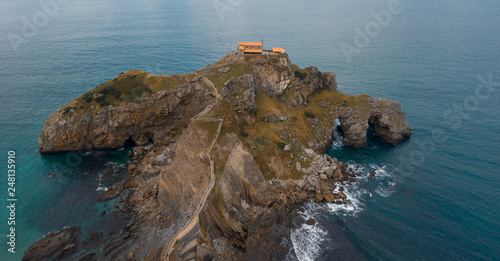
(250, 43)
(278, 50)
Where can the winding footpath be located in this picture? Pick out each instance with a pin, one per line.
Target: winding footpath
(194, 218)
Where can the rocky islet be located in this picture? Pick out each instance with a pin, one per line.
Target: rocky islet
(269, 159)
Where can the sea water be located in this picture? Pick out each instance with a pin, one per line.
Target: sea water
(433, 197)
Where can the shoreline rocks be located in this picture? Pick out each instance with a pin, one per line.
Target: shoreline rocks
(56, 244)
(110, 194)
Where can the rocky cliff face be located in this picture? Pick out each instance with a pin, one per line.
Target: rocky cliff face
(166, 104)
(278, 121)
(158, 114)
(383, 116)
(189, 172)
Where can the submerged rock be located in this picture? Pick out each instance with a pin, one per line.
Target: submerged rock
(110, 194)
(56, 244)
(310, 221)
(96, 236)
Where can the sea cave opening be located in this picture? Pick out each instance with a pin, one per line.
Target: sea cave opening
(129, 143)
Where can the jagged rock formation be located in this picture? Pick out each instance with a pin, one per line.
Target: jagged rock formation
(55, 245)
(278, 121)
(384, 116)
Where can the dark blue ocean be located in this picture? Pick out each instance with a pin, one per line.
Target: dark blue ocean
(435, 196)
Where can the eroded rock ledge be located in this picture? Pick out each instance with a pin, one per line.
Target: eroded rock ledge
(56, 245)
(135, 106)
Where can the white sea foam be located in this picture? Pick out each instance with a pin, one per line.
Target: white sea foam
(358, 191)
(111, 164)
(338, 143)
(383, 191)
(384, 177)
(99, 188)
(353, 203)
(382, 173)
(308, 239)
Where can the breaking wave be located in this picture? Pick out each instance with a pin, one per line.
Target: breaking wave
(373, 179)
(363, 188)
(99, 188)
(338, 138)
(307, 240)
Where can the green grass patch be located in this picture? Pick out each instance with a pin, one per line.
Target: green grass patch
(236, 70)
(174, 132)
(67, 109)
(260, 140)
(210, 127)
(129, 87)
(309, 114)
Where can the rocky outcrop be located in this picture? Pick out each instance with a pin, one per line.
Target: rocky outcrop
(272, 75)
(308, 81)
(236, 184)
(110, 194)
(156, 117)
(278, 121)
(54, 245)
(389, 122)
(246, 85)
(383, 116)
